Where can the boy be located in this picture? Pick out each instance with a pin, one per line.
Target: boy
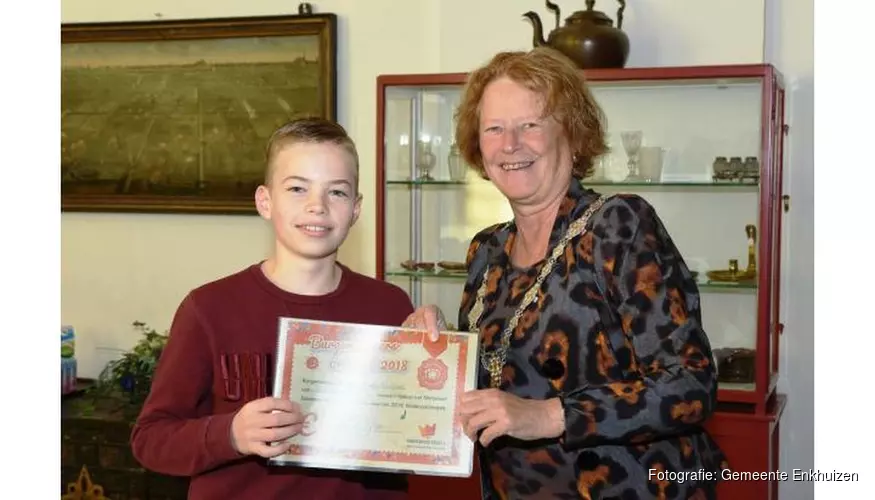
(209, 414)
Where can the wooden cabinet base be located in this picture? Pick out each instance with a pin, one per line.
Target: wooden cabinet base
(750, 442)
(96, 459)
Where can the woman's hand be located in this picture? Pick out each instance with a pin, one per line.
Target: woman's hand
(500, 413)
(429, 318)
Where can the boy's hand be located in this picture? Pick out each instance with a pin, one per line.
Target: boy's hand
(428, 318)
(256, 425)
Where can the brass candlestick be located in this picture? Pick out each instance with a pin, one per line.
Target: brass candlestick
(733, 274)
(751, 231)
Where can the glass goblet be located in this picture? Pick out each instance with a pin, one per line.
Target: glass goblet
(632, 144)
(425, 160)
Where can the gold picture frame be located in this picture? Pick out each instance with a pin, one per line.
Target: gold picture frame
(173, 116)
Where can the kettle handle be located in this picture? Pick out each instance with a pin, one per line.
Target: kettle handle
(620, 13)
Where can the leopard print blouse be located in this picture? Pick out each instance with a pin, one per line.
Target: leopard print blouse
(616, 333)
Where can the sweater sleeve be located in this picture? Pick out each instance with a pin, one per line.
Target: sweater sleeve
(172, 435)
(401, 306)
(669, 383)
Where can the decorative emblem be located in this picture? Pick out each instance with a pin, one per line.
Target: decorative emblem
(432, 374)
(427, 430)
(83, 488)
(312, 362)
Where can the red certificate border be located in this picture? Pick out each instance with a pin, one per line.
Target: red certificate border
(298, 333)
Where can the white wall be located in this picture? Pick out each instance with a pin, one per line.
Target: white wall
(790, 46)
(117, 268)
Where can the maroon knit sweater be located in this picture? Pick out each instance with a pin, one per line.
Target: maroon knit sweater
(220, 356)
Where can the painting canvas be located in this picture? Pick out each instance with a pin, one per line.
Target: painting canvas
(174, 116)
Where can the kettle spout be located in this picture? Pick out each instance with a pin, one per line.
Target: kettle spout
(538, 29)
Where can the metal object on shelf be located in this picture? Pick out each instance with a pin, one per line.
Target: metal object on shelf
(735, 169)
(721, 169)
(751, 231)
(452, 266)
(425, 266)
(736, 166)
(751, 169)
(730, 276)
(412, 265)
(733, 274)
(444, 267)
(735, 365)
(733, 266)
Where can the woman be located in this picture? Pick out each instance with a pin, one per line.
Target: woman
(596, 374)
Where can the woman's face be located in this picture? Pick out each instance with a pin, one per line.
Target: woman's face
(524, 153)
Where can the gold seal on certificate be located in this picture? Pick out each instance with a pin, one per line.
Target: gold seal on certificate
(376, 397)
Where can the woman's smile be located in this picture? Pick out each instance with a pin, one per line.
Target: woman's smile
(520, 165)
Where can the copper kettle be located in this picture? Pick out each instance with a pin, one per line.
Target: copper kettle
(588, 38)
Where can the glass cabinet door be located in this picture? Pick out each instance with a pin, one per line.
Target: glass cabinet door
(694, 149)
(776, 150)
(434, 204)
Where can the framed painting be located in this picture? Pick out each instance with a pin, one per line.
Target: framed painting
(174, 116)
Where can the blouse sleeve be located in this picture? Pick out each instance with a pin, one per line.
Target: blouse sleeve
(475, 264)
(668, 382)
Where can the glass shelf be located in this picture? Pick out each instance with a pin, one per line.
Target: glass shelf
(681, 184)
(420, 182)
(741, 186)
(727, 286)
(458, 275)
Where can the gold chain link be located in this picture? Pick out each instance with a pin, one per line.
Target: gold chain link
(494, 361)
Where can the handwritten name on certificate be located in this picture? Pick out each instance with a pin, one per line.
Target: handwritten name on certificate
(376, 397)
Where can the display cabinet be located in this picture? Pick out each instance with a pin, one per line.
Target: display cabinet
(702, 144)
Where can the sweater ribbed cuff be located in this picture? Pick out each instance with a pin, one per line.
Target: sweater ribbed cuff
(218, 438)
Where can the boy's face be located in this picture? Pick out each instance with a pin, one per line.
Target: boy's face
(311, 199)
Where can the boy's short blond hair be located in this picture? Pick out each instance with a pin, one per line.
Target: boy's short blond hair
(310, 130)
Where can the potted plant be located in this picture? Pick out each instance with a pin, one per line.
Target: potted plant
(127, 380)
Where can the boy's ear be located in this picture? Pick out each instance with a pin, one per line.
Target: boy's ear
(357, 209)
(262, 201)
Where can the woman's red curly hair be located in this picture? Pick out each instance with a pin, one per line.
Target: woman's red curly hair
(567, 99)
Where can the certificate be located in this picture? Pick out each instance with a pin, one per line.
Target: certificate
(376, 397)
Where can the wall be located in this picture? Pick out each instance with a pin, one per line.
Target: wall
(790, 46)
(117, 268)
